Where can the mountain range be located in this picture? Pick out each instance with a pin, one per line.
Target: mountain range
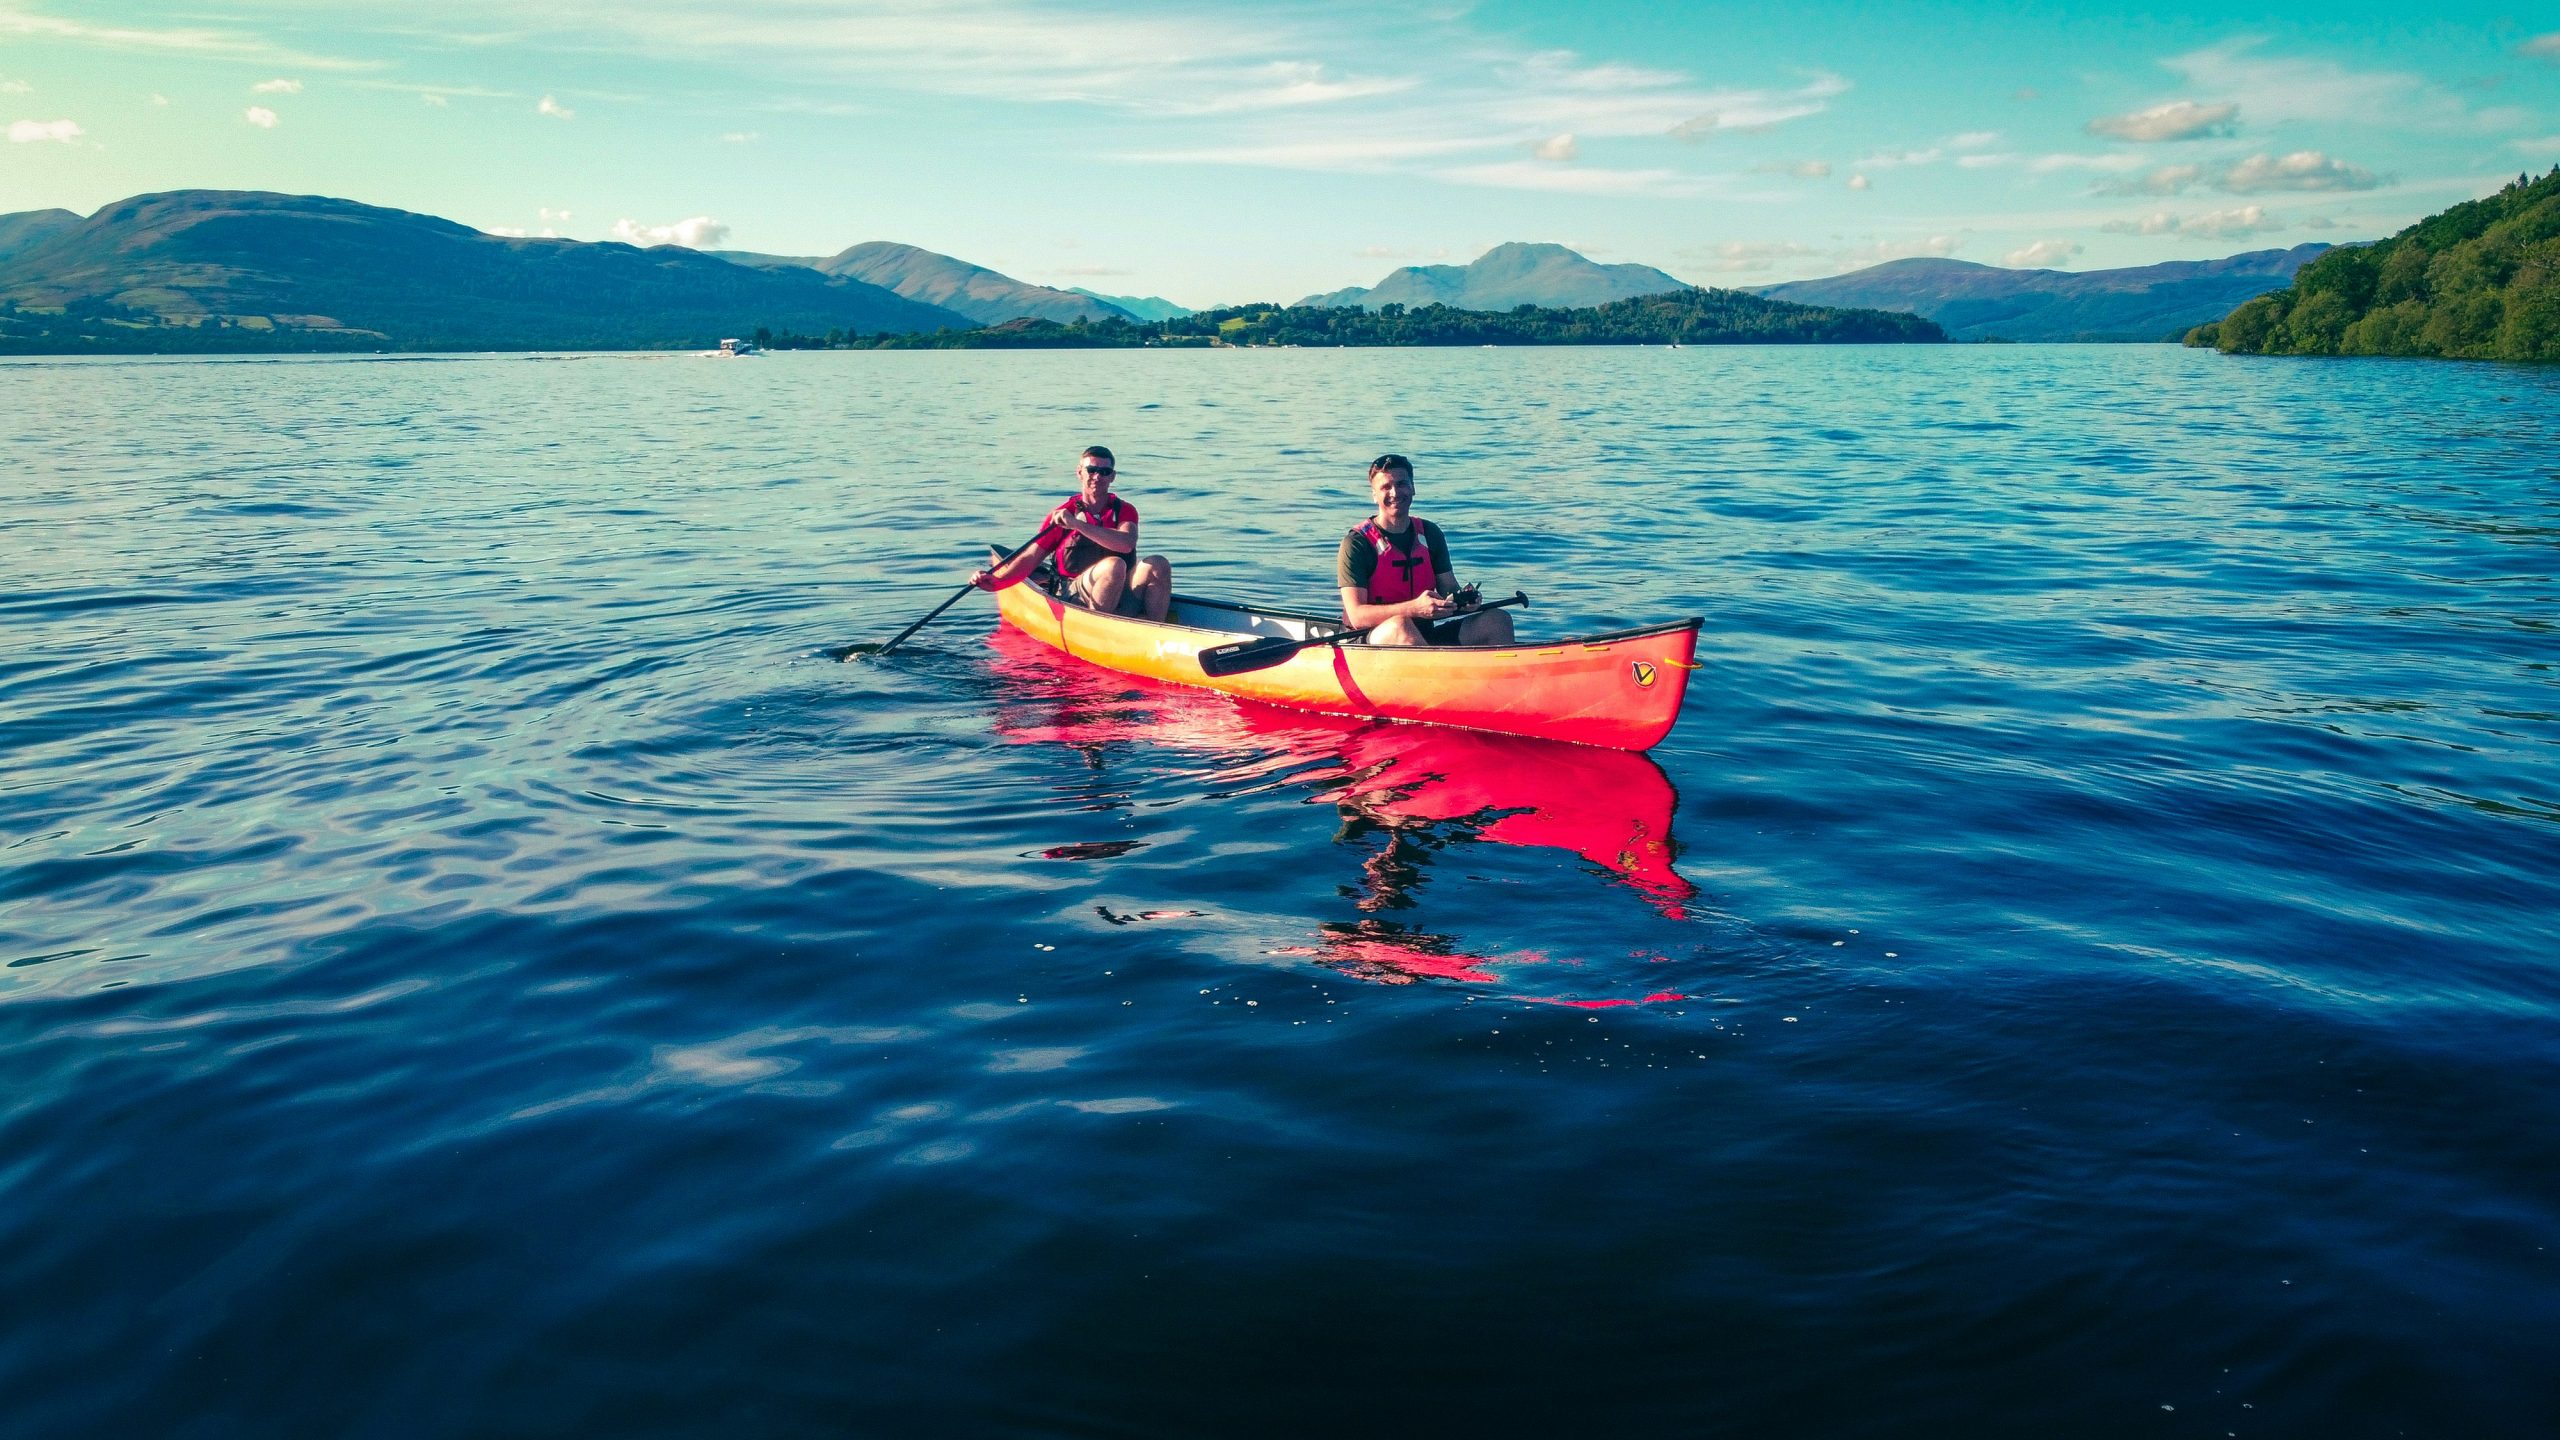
(1549, 276)
(212, 269)
(982, 295)
(1987, 302)
(248, 269)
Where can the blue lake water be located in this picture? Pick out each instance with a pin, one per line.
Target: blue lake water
(2085, 964)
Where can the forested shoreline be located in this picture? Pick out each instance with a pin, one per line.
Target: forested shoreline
(2480, 281)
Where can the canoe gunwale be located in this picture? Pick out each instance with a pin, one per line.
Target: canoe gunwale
(1275, 612)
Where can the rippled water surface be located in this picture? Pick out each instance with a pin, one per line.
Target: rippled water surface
(2085, 964)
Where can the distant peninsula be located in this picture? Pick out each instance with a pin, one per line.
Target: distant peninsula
(2480, 281)
(1682, 317)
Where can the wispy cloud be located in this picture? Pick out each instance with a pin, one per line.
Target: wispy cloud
(740, 137)
(1984, 162)
(1321, 86)
(698, 232)
(2212, 224)
(260, 116)
(2164, 180)
(202, 43)
(2275, 89)
(1975, 140)
(1888, 159)
(276, 87)
(2544, 47)
(1859, 182)
(553, 108)
(30, 132)
(2040, 254)
(1576, 180)
(1881, 251)
(1560, 149)
(2114, 163)
(16, 87)
(2177, 120)
(1742, 257)
(2301, 170)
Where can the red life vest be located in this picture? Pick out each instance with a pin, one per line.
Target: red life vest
(1073, 553)
(1399, 576)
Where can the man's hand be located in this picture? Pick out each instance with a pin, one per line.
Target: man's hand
(1430, 607)
(983, 579)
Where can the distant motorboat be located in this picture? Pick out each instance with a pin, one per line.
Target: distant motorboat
(734, 349)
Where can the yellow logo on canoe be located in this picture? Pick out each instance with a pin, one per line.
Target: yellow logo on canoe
(1644, 675)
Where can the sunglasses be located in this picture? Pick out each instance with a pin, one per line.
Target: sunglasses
(1103, 470)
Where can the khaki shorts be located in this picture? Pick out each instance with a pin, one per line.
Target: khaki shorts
(1133, 601)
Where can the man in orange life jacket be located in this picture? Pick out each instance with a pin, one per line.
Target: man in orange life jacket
(1094, 536)
(1395, 577)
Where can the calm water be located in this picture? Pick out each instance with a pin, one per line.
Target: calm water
(2086, 964)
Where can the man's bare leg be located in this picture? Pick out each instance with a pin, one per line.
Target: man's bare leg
(1153, 580)
(1399, 631)
(1101, 586)
(1486, 627)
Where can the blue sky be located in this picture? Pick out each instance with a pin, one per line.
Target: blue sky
(1217, 153)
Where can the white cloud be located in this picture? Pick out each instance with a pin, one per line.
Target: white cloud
(2222, 224)
(2212, 225)
(29, 132)
(260, 116)
(698, 232)
(1579, 180)
(2158, 222)
(201, 43)
(554, 217)
(1984, 162)
(434, 99)
(2545, 46)
(2273, 90)
(276, 87)
(553, 108)
(1975, 140)
(1739, 257)
(2114, 162)
(16, 87)
(512, 232)
(1888, 159)
(1858, 182)
(2041, 254)
(2166, 180)
(1937, 246)
(1559, 148)
(1801, 169)
(2177, 120)
(741, 137)
(159, 99)
(2543, 145)
(2301, 170)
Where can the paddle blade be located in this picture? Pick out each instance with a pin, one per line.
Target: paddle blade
(1245, 656)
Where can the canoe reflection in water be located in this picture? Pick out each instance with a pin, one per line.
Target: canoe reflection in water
(1405, 792)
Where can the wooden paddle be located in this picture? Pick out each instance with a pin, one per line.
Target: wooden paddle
(1244, 656)
(850, 651)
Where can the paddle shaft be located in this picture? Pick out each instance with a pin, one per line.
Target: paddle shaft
(1250, 655)
(955, 599)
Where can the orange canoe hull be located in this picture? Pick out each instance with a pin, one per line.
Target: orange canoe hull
(1620, 691)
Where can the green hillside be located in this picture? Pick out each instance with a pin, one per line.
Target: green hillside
(2479, 282)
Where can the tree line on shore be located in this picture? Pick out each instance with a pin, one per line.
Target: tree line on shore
(1685, 317)
(2480, 281)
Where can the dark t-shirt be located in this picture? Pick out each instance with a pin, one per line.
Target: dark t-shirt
(1357, 564)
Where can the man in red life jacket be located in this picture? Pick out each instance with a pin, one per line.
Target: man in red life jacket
(1093, 535)
(1395, 576)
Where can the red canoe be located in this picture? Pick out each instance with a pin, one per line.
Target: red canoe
(1620, 690)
